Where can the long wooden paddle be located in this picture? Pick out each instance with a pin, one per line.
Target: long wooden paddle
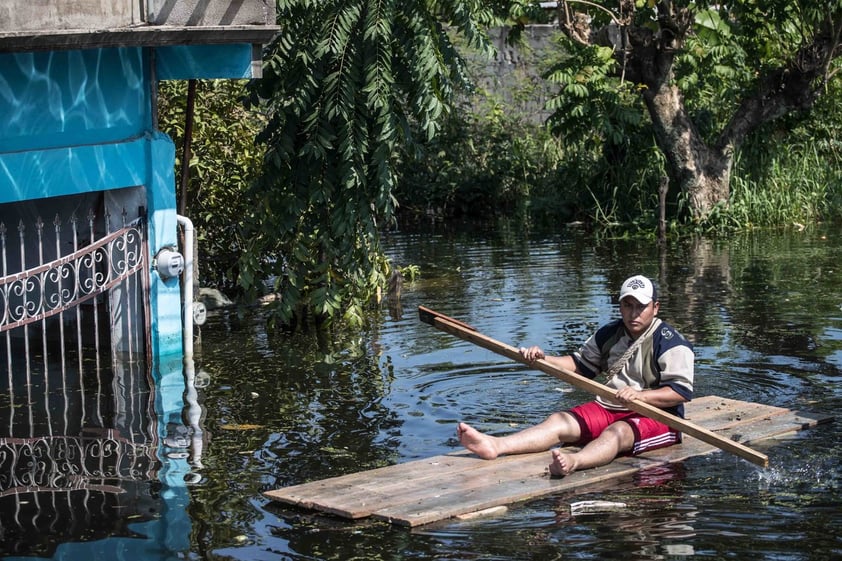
(468, 333)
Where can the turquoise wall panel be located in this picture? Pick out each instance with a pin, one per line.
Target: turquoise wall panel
(66, 98)
(165, 294)
(185, 62)
(54, 172)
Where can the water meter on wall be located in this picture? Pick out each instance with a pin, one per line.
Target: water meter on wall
(200, 313)
(169, 263)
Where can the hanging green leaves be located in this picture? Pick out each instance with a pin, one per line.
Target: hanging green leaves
(342, 84)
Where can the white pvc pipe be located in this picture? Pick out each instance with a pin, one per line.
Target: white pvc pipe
(187, 279)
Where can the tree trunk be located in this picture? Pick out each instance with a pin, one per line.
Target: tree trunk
(700, 172)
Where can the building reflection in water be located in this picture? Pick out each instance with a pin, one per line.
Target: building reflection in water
(90, 425)
(77, 455)
(103, 473)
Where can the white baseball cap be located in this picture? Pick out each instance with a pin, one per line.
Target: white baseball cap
(640, 287)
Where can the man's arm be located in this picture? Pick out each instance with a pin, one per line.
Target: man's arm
(663, 397)
(565, 362)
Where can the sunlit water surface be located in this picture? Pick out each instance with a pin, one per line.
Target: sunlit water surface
(764, 312)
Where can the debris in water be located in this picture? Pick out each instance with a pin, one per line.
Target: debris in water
(583, 507)
(240, 426)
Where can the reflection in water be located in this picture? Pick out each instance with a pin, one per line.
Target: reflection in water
(659, 520)
(192, 436)
(115, 481)
(396, 393)
(78, 439)
(83, 473)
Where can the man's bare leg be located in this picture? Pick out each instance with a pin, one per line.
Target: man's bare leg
(557, 428)
(615, 439)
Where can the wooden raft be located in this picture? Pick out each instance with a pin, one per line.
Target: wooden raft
(424, 491)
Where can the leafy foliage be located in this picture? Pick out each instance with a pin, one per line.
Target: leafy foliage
(712, 72)
(610, 160)
(738, 66)
(485, 162)
(592, 106)
(788, 173)
(353, 89)
(224, 160)
(344, 83)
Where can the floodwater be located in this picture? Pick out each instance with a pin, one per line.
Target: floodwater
(764, 311)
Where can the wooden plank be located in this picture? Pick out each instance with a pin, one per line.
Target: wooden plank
(358, 495)
(727, 412)
(355, 495)
(361, 494)
(369, 493)
(528, 480)
(461, 499)
(510, 483)
(774, 426)
(424, 491)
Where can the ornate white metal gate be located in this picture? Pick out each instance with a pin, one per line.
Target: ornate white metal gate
(61, 286)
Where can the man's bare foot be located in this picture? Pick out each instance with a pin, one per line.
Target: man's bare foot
(480, 444)
(563, 463)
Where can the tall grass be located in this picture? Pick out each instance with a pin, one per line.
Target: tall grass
(793, 185)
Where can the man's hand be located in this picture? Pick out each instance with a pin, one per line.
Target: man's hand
(627, 395)
(662, 397)
(532, 353)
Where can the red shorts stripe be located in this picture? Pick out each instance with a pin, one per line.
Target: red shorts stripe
(649, 434)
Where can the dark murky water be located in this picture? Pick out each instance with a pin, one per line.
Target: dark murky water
(764, 312)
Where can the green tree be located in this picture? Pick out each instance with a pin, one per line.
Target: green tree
(344, 84)
(709, 74)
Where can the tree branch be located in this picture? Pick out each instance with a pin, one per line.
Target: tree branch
(594, 5)
(831, 52)
(792, 86)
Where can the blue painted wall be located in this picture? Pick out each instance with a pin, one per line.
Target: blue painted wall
(68, 98)
(82, 121)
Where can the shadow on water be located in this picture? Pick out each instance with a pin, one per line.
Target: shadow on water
(273, 410)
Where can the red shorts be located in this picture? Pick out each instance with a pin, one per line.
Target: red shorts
(648, 434)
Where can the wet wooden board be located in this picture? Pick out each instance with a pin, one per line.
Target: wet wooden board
(424, 491)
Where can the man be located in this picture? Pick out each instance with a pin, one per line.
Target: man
(644, 359)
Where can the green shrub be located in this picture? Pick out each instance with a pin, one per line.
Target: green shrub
(223, 161)
(485, 162)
